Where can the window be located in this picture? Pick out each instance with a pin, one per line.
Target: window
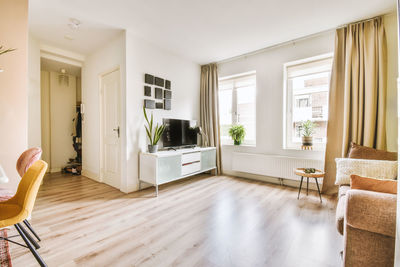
(307, 92)
(237, 105)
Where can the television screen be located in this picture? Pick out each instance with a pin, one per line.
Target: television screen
(179, 133)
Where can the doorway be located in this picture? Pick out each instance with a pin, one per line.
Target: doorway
(61, 119)
(110, 93)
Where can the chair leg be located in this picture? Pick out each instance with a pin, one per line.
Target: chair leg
(31, 248)
(33, 241)
(26, 222)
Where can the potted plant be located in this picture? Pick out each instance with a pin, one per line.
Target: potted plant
(154, 136)
(237, 132)
(4, 51)
(307, 130)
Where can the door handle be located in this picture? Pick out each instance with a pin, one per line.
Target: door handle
(116, 130)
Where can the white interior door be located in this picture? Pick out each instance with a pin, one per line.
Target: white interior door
(110, 121)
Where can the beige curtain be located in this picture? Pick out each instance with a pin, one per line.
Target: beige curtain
(209, 110)
(357, 98)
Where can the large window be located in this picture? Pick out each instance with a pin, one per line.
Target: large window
(237, 105)
(307, 92)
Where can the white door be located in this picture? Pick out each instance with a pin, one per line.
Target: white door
(110, 122)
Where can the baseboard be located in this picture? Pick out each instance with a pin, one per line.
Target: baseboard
(55, 170)
(274, 180)
(91, 175)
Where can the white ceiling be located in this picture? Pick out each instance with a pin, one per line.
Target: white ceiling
(56, 66)
(200, 30)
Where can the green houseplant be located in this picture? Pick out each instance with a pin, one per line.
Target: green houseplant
(4, 51)
(307, 131)
(237, 132)
(153, 135)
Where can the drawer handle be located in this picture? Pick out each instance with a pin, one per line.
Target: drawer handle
(185, 164)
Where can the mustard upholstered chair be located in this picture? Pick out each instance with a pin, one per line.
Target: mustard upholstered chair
(17, 209)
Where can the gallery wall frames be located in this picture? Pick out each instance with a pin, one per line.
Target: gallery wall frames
(162, 91)
(159, 81)
(167, 104)
(150, 104)
(147, 90)
(149, 79)
(158, 93)
(167, 94)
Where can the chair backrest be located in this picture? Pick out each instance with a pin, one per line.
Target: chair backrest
(29, 186)
(27, 158)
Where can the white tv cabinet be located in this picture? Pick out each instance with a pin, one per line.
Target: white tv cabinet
(167, 166)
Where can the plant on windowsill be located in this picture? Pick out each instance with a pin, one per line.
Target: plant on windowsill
(154, 136)
(237, 132)
(307, 131)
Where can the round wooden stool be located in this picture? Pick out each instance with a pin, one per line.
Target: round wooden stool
(302, 173)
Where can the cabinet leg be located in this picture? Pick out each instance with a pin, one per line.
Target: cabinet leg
(156, 190)
(140, 185)
(307, 186)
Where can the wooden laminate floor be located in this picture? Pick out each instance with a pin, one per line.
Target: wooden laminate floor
(201, 221)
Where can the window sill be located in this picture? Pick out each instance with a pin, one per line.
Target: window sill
(242, 145)
(315, 149)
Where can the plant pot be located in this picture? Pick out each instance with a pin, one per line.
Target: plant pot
(152, 149)
(237, 142)
(307, 140)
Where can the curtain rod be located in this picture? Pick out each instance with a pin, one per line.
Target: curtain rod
(296, 40)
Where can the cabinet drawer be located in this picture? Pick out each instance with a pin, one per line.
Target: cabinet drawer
(190, 168)
(191, 157)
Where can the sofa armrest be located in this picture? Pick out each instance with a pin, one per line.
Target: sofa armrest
(371, 211)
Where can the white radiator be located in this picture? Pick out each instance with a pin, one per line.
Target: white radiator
(272, 165)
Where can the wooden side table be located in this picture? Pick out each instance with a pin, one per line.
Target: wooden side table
(317, 174)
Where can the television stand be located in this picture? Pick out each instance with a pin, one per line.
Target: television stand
(166, 166)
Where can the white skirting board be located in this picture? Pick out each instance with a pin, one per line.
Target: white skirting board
(272, 165)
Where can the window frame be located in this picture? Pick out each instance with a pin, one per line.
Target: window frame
(288, 115)
(235, 116)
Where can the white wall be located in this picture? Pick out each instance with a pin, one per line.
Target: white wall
(13, 86)
(269, 67)
(107, 58)
(135, 57)
(58, 111)
(34, 124)
(143, 57)
(269, 104)
(45, 117)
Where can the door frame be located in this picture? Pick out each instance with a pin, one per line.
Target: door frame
(101, 98)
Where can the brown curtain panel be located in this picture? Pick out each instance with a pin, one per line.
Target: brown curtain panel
(209, 110)
(357, 97)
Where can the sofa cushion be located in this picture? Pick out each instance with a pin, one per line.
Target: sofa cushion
(341, 207)
(372, 184)
(364, 152)
(382, 169)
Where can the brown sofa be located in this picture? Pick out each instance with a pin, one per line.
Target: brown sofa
(367, 220)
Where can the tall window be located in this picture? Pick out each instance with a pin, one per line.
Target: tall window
(307, 92)
(237, 105)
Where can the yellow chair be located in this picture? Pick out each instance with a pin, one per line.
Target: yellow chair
(17, 209)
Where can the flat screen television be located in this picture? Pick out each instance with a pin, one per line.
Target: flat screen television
(179, 133)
